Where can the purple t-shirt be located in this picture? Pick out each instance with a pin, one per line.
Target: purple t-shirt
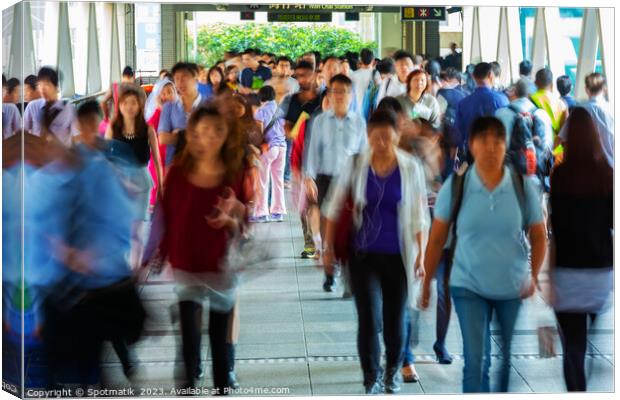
(275, 135)
(379, 231)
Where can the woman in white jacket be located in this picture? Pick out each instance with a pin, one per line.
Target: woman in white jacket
(390, 220)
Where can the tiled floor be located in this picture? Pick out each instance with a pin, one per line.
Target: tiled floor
(296, 337)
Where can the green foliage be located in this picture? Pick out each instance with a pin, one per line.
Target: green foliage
(278, 38)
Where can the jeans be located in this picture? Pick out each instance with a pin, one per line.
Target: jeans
(574, 335)
(475, 313)
(410, 314)
(287, 164)
(191, 335)
(379, 279)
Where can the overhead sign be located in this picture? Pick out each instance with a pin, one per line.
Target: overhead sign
(299, 17)
(309, 7)
(423, 13)
(351, 16)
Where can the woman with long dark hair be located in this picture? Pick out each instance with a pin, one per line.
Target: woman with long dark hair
(582, 212)
(204, 205)
(217, 81)
(133, 141)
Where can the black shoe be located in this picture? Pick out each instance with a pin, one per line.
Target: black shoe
(375, 388)
(200, 371)
(392, 380)
(232, 380)
(329, 284)
(443, 356)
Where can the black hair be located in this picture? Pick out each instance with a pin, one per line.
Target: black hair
(482, 125)
(266, 93)
(385, 66)
(382, 118)
(250, 52)
(451, 73)
(284, 59)
(48, 74)
(185, 66)
(525, 68)
(544, 78)
(88, 108)
(303, 64)
(341, 78)
(317, 56)
(3, 80)
(331, 57)
(433, 68)
(252, 99)
(564, 84)
(402, 54)
(482, 70)
(390, 103)
(366, 56)
(11, 85)
(31, 81)
(497, 69)
(128, 71)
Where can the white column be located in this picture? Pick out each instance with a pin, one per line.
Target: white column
(468, 27)
(78, 22)
(115, 52)
(120, 26)
(538, 57)
(606, 32)
(587, 51)
(554, 42)
(488, 23)
(21, 56)
(93, 69)
(476, 41)
(65, 57)
(509, 48)
(49, 50)
(104, 24)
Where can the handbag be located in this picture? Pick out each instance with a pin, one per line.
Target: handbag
(344, 225)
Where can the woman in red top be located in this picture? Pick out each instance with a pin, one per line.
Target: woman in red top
(204, 204)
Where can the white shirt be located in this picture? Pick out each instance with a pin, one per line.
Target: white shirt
(391, 87)
(361, 80)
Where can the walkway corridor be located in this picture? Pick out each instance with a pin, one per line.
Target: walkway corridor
(299, 340)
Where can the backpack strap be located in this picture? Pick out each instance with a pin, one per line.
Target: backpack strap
(518, 184)
(458, 189)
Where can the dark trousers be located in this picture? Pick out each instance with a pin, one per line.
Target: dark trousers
(574, 335)
(444, 305)
(379, 286)
(191, 334)
(287, 165)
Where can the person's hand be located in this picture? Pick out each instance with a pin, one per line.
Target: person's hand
(228, 203)
(311, 190)
(425, 296)
(418, 268)
(221, 220)
(529, 288)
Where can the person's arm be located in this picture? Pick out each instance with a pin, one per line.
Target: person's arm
(159, 171)
(435, 113)
(108, 132)
(167, 134)
(538, 240)
(432, 256)
(313, 155)
(104, 104)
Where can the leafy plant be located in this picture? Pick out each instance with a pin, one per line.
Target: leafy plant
(278, 38)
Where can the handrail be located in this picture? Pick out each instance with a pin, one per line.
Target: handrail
(87, 97)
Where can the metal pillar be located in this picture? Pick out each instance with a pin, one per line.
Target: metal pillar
(64, 58)
(21, 55)
(93, 68)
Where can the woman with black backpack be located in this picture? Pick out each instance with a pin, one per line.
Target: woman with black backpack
(489, 209)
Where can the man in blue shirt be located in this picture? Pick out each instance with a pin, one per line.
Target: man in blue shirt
(484, 101)
(254, 76)
(174, 115)
(601, 113)
(337, 134)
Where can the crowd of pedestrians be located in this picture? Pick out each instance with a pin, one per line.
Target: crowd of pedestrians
(403, 170)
